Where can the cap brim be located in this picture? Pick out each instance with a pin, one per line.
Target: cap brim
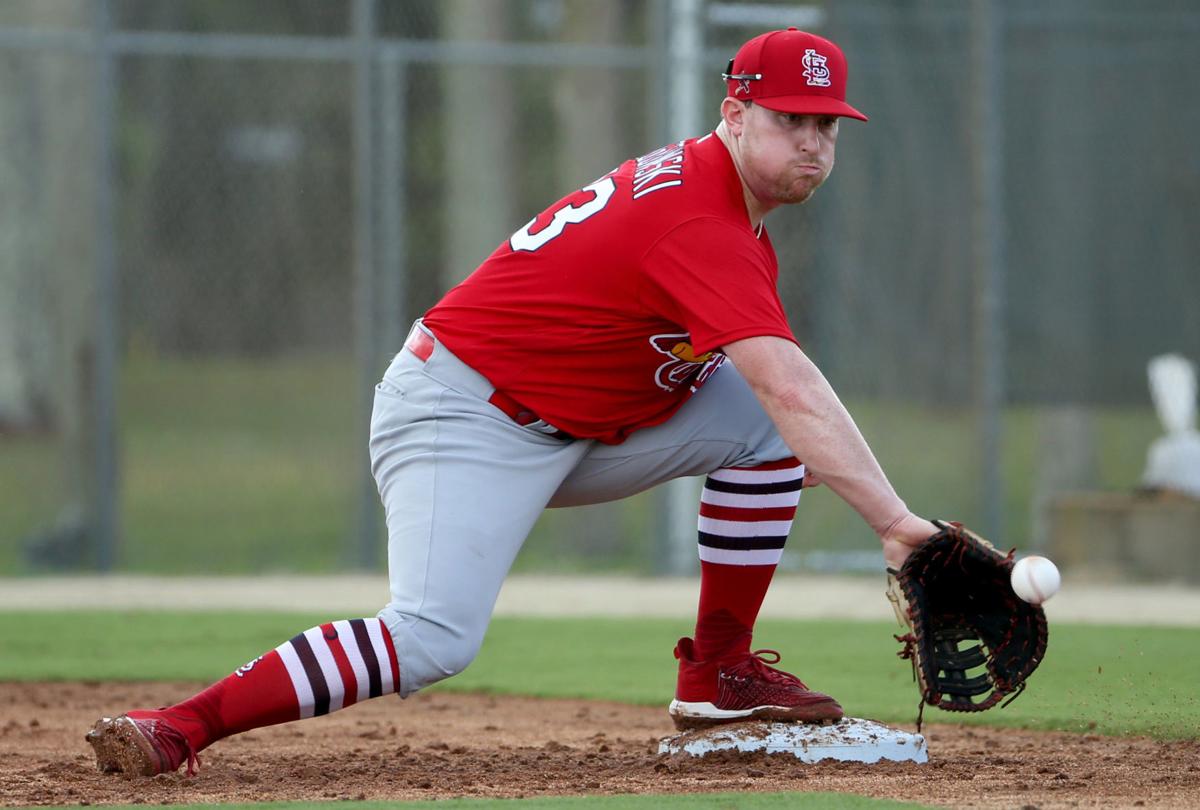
(810, 105)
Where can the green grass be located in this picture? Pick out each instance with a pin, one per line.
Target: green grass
(30, 483)
(236, 466)
(233, 466)
(1111, 680)
(227, 466)
(706, 801)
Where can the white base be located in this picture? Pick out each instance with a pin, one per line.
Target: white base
(849, 740)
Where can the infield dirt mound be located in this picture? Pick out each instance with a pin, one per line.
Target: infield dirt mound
(444, 745)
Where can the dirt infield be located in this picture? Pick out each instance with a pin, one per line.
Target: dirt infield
(443, 745)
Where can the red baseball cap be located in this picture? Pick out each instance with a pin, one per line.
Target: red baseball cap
(791, 71)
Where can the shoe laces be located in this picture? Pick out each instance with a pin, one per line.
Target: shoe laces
(758, 663)
(178, 746)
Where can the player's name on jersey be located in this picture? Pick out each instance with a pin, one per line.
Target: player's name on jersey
(665, 162)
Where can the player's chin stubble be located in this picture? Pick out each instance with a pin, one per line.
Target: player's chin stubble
(799, 190)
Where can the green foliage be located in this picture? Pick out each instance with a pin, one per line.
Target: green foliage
(1110, 680)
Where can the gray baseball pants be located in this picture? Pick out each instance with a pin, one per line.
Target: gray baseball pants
(462, 485)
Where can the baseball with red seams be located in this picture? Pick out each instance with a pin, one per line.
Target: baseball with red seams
(1035, 579)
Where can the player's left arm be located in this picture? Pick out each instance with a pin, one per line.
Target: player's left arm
(820, 431)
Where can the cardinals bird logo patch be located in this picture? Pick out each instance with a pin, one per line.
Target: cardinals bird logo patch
(685, 365)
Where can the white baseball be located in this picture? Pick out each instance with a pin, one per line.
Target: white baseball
(1035, 579)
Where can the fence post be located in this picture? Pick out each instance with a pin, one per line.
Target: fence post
(677, 501)
(366, 276)
(394, 312)
(988, 226)
(101, 441)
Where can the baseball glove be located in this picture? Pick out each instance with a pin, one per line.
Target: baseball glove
(971, 640)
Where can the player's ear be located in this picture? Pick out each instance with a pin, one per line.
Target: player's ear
(733, 113)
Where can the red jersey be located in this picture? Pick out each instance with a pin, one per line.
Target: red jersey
(607, 310)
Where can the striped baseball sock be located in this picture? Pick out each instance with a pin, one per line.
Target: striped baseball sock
(745, 516)
(323, 669)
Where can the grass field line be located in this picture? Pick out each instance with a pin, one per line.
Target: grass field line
(791, 597)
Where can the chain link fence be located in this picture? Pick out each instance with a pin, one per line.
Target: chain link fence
(217, 220)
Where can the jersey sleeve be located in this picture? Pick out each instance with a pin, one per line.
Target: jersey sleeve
(715, 279)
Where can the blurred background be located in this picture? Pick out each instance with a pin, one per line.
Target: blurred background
(218, 218)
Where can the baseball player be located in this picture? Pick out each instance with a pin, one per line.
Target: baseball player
(629, 334)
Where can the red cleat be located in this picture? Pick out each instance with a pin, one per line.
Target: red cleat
(142, 743)
(740, 685)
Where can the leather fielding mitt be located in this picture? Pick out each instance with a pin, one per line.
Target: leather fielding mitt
(972, 641)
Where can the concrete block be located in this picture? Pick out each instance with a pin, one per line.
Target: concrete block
(1115, 536)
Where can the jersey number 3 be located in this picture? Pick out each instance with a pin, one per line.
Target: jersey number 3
(524, 239)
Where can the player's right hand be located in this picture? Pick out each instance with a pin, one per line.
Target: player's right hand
(904, 536)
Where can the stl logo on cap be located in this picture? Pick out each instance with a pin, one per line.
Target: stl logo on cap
(815, 69)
